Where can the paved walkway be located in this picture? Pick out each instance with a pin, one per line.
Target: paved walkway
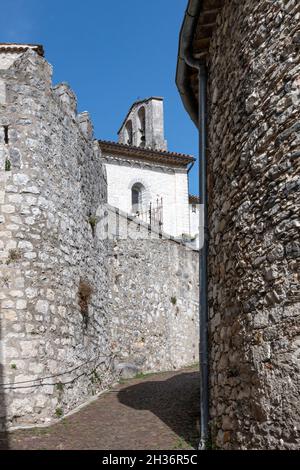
(157, 412)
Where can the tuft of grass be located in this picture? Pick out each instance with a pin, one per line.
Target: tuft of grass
(85, 292)
(7, 165)
(144, 375)
(173, 300)
(59, 412)
(193, 365)
(95, 377)
(140, 375)
(14, 255)
(5, 281)
(93, 222)
(13, 366)
(182, 444)
(60, 386)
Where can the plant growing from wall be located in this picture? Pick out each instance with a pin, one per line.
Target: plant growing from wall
(95, 377)
(85, 292)
(60, 386)
(5, 281)
(93, 222)
(59, 412)
(14, 255)
(182, 444)
(7, 165)
(173, 300)
(140, 375)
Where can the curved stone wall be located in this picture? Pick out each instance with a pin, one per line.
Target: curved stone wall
(253, 143)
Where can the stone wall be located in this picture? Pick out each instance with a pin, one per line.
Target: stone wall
(253, 138)
(153, 295)
(153, 301)
(55, 350)
(74, 304)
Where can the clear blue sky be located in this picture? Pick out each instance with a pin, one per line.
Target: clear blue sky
(111, 52)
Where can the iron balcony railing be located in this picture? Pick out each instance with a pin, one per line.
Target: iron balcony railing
(152, 214)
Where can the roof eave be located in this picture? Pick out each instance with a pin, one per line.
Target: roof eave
(15, 47)
(178, 160)
(194, 42)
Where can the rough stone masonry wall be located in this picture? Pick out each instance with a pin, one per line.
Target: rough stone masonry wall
(153, 301)
(253, 132)
(55, 354)
(74, 305)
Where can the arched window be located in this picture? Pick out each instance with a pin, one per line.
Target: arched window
(137, 196)
(142, 127)
(128, 133)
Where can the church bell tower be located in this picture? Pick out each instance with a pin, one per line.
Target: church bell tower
(144, 125)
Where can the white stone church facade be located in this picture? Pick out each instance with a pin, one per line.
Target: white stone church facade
(144, 179)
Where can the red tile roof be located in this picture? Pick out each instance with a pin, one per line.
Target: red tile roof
(163, 156)
(194, 199)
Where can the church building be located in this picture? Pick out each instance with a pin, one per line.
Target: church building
(146, 180)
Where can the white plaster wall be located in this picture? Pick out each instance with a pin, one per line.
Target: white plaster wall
(194, 219)
(182, 201)
(160, 182)
(194, 223)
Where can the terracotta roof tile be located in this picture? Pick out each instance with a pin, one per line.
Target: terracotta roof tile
(13, 47)
(194, 199)
(164, 156)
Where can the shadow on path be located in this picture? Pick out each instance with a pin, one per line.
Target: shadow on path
(174, 401)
